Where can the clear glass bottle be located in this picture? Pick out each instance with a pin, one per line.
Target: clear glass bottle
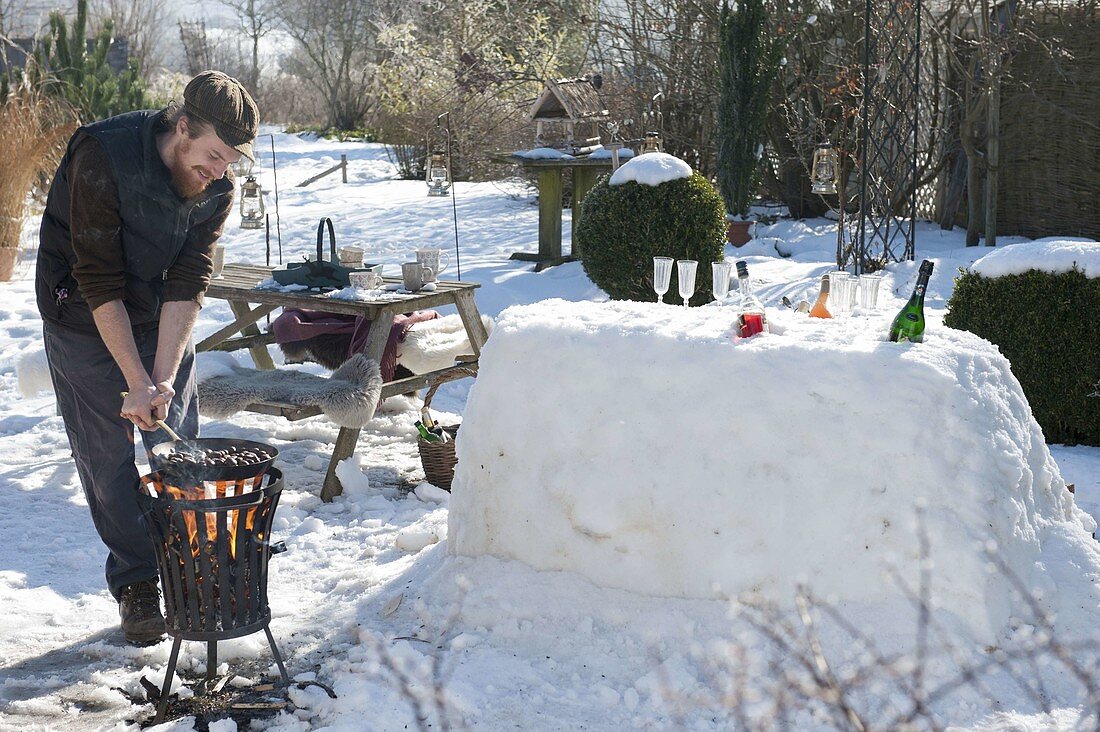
(751, 318)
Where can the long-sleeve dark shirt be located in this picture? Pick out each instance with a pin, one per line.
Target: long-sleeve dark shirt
(96, 235)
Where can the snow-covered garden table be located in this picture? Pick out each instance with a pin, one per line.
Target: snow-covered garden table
(238, 285)
(638, 445)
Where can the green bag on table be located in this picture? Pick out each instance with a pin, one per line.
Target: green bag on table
(320, 273)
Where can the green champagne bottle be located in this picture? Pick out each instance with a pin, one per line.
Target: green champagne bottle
(909, 323)
(425, 434)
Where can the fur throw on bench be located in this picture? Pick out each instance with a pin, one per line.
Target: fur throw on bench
(349, 397)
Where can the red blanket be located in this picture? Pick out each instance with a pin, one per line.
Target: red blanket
(296, 325)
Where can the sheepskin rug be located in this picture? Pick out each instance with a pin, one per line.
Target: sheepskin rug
(348, 398)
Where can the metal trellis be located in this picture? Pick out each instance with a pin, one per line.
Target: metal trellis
(888, 138)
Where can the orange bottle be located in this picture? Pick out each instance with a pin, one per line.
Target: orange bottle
(819, 310)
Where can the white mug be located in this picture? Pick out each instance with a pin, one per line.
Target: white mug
(351, 256)
(416, 275)
(367, 280)
(431, 258)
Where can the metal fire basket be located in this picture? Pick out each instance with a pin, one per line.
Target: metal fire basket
(212, 542)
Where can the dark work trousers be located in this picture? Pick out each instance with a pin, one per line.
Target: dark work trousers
(88, 384)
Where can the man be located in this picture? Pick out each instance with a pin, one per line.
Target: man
(125, 255)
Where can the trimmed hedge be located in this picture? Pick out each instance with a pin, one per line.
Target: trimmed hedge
(1048, 327)
(626, 226)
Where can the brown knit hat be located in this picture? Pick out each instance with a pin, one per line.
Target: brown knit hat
(223, 101)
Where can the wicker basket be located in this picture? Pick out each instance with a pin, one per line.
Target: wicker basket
(439, 458)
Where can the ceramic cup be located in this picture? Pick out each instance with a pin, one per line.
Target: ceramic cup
(416, 275)
(218, 257)
(365, 280)
(431, 258)
(351, 256)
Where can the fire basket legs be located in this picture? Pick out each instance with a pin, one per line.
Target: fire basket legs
(162, 703)
(278, 658)
(211, 669)
(211, 660)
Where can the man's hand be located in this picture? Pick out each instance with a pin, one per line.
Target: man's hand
(144, 407)
(157, 405)
(163, 400)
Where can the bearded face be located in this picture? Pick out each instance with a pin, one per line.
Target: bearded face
(197, 162)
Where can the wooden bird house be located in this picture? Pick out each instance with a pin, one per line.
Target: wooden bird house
(567, 115)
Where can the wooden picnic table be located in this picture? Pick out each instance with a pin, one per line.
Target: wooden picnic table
(237, 285)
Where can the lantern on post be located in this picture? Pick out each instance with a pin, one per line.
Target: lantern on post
(652, 143)
(825, 181)
(438, 175)
(252, 204)
(826, 169)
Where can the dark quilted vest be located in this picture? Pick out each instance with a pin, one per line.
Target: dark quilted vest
(155, 222)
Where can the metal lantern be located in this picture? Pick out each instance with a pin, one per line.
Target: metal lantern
(826, 170)
(652, 143)
(438, 176)
(252, 204)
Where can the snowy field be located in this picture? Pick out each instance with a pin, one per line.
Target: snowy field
(368, 598)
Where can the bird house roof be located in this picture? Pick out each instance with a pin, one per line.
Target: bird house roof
(569, 99)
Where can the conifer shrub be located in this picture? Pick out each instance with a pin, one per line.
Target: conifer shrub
(1046, 326)
(67, 66)
(625, 226)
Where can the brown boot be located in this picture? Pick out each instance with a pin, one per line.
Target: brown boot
(139, 608)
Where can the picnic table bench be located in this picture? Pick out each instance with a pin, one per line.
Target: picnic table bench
(249, 305)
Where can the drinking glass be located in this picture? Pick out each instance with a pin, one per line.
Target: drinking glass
(719, 280)
(840, 288)
(662, 273)
(868, 290)
(685, 278)
(219, 260)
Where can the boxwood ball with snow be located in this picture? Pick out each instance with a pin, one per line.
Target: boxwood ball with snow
(625, 226)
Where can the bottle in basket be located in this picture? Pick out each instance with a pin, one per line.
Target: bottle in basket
(426, 418)
(425, 434)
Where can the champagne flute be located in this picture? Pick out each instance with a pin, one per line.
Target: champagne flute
(685, 280)
(719, 280)
(662, 273)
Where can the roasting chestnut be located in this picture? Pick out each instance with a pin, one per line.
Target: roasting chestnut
(230, 456)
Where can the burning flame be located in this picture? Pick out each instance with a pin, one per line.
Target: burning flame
(211, 490)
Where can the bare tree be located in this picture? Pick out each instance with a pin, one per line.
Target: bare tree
(141, 22)
(481, 63)
(978, 38)
(18, 18)
(338, 52)
(22, 17)
(659, 59)
(256, 19)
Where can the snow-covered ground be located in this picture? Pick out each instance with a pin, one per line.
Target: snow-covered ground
(368, 591)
